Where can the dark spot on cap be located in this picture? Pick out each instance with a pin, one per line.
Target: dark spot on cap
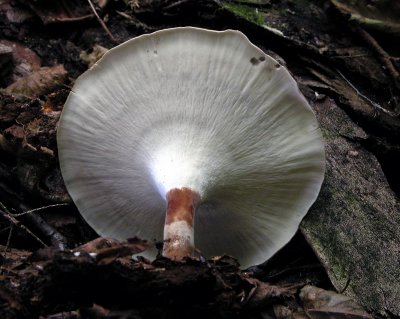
(277, 65)
(155, 52)
(262, 58)
(254, 61)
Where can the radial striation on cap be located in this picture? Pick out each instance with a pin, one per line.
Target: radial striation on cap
(195, 108)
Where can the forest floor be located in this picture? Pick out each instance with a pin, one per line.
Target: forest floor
(52, 263)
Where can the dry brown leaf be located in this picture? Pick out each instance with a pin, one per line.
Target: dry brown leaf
(126, 249)
(106, 250)
(39, 82)
(97, 244)
(319, 303)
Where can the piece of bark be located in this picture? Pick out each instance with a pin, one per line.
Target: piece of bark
(107, 250)
(382, 16)
(354, 226)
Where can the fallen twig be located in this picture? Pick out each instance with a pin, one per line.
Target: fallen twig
(135, 21)
(56, 238)
(176, 4)
(376, 105)
(383, 56)
(39, 209)
(16, 223)
(102, 22)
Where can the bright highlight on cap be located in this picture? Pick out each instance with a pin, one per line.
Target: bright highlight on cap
(173, 167)
(196, 137)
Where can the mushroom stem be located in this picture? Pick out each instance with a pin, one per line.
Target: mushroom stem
(178, 228)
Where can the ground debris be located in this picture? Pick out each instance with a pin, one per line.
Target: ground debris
(54, 284)
(62, 11)
(106, 251)
(28, 134)
(10, 305)
(101, 280)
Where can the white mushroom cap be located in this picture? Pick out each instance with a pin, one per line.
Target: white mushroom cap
(188, 107)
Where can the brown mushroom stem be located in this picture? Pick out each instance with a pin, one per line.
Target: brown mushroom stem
(178, 228)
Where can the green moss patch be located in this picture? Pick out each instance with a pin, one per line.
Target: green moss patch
(246, 12)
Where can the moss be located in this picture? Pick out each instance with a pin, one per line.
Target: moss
(246, 12)
(328, 135)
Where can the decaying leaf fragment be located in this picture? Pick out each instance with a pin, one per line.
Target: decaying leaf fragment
(107, 250)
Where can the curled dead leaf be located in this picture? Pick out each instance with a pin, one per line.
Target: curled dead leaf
(97, 244)
(106, 250)
(39, 82)
(319, 303)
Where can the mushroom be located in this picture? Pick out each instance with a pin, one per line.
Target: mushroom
(199, 124)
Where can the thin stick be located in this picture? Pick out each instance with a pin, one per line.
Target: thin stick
(39, 208)
(14, 222)
(46, 231)
(376, 105)
(175, 4)
(102, 22)
(8, 240)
